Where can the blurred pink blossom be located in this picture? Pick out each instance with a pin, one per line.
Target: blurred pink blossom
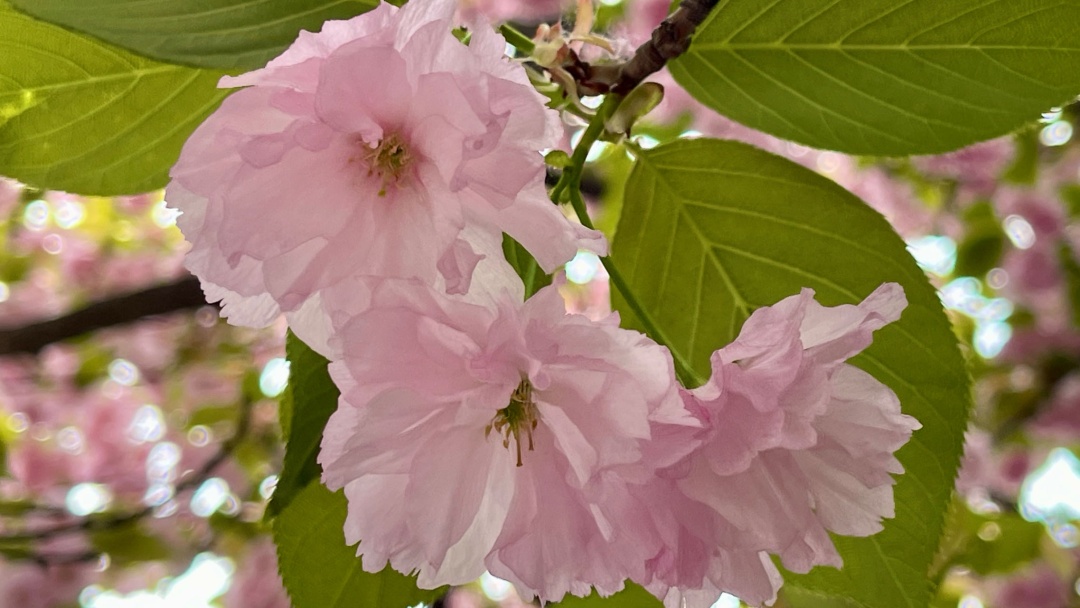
(986, 472)
(256, 583)
(977, 169)
(26, 585)
(109, 455)
(40, 468)
(1061, 417)
(1038, 587)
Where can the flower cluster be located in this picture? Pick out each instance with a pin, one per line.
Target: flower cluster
(361, 184)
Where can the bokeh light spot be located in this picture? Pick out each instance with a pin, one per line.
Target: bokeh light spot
(582, 268)
(274, 377)
(86, 498)
(1051, 493)
(1019, 232)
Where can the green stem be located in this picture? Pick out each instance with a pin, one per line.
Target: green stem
(683, 368)
(519, 41)
(571, 183)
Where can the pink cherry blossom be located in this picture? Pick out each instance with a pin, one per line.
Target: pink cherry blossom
(369, 149)
(529, 422)
(795, 443)
(701, 555)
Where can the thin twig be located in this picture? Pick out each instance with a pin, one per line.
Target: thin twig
(669, 40)
(92, 524)
(183, 294)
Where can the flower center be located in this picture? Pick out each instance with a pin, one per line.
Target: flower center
(388, 159)
(521, 416)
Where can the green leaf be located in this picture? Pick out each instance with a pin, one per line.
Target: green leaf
(1001, 544)
(712, 230)
(223, 34)
(792, 597)
(309, 400)
(525, 265)
(987, 544)
(884, 77)
(634, 596)
(82, 116)
(1024, 168)
(129, 544)
(211, 415)
(320, 571)
(1070, 264)
(983, 243)
(1070, 195)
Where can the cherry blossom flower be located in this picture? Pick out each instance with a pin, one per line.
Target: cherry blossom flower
(381, 146)
(794, 443)
(530, 422)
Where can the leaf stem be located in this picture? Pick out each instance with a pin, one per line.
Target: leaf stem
(571, 184)
(516, 39)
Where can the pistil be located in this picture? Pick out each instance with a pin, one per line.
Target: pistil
(519, 417)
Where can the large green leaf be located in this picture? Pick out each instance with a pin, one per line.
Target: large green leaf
(309, 400)
(883, 76)
(80, 115)
(320, 571)
(714, 229)
(227, 34)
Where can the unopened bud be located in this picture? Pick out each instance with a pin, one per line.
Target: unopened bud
(638, 103)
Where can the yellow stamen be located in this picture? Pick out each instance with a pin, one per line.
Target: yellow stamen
(520, 416)
(388, 159)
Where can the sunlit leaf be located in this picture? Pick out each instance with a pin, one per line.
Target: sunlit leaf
(320, 571)
(881, 76)
(205, 33)
(525, 265)
(309, 400)
(83, 116)
(712, 230)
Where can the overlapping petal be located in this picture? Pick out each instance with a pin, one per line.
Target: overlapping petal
(441, 399)
(374, 148)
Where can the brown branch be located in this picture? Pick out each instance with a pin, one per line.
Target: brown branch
(669, 40)
(116, 520)
(183, 294)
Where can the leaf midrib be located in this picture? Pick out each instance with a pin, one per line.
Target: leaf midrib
(134, 75)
